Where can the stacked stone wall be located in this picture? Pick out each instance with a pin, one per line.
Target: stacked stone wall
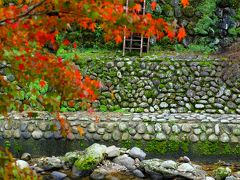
(200, 134)
(167, 84)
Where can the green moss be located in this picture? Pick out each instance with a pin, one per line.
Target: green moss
(149, 93)
(126, 144)
(205, 148)
(206, 63)
(215, 148)
(88, 164)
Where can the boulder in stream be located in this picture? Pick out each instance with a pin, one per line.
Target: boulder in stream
(86, 162)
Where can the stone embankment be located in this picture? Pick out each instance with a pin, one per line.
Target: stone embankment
(204, 134)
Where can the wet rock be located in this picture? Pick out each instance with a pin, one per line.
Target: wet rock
(49, 163)
(186, 167)
(169, 164)
(126, 161)
(222, 172)
(98, 174)
(209, 178)
(58, 175)
(138, 173)
(112, 151)
(184, 159)
(70, 157)
(37, 134)
(26, 157)
(231, 178)
(22, 164)
(92, 156)
(154, 168)
(136, 152)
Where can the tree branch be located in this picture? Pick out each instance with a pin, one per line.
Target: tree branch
(24, 14)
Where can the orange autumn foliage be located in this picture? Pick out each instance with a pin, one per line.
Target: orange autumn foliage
(185, 3)
(181, 34)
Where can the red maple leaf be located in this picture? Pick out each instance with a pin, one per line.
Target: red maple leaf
(153, 5)
(185, 3)
(21, 67)
(74, 45)
(137, 7)
(181, 34)
(118, 39)
(66, 42)
(42, 83)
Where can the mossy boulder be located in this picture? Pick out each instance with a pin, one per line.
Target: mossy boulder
(70, 157)
(92, 156)
(222, 173)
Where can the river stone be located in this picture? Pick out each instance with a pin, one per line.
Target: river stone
(92, 156)
(125, 136)
(231, 178)
(141, 128)
(213, 138)
(58, 175)
(17, 133)
(112, 151)
(23, 126)
(98, 174)
(138, 173)
(37, 134)
(42, 126)
(193, 138)
(199, 106)
(166, 128)
(186, 127)
(163, 105)
(175, 129)
(236, 131)
(122, 126)
(22, 164)
(186, 167)
(116, 135)
(52, 163)
(26, 157)
(126, 161)
(154, 168)
(70, 157)
(169, 164)
(136, 152)
(161, 136)
(209, 178)
(217, 129)
(224, 138)
(26, 134)
(92, 128)
(106, 136)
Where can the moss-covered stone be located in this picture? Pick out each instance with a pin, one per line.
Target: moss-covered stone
(91, 158)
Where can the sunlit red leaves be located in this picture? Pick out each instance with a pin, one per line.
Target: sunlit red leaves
(181, 34)
(42, 83)
(185, 3)
(154, 5)
(137, 7)
(21, 67)
(74, 45)
(118, 39)
(66, 42)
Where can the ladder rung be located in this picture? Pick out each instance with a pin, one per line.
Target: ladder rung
(133, 40)
(132, 48)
